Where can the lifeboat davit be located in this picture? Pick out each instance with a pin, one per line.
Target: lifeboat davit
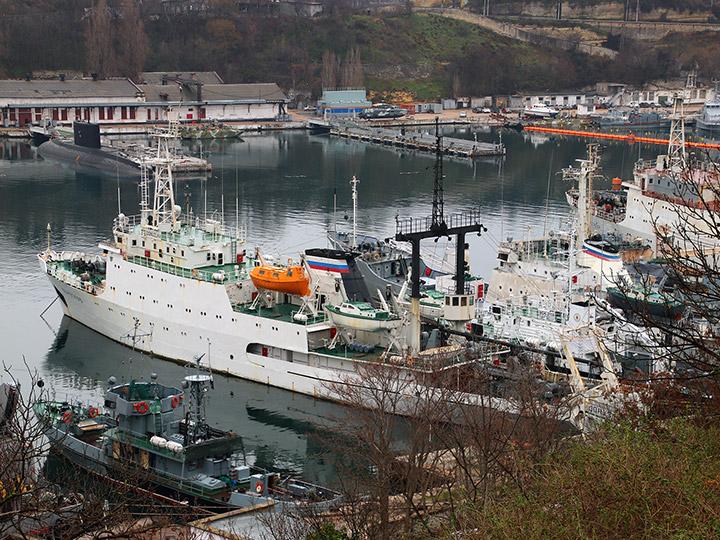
(290, 279)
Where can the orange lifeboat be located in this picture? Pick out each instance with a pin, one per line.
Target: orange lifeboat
(290, 279)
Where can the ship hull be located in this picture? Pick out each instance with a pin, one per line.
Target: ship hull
(91, 460)
(95, 158)
(638, 305)
(707, 127)
(176, 330)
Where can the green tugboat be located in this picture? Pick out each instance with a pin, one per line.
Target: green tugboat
(159, 434)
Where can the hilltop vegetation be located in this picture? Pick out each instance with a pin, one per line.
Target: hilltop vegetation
(653, 480)
(412, 54)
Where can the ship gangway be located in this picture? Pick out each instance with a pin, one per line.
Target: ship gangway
(418, 141)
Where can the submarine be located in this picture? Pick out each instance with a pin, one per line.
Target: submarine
(86, 151)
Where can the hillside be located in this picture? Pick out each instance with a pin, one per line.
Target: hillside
(415, 55)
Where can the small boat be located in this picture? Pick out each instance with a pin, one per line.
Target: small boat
(599, 248)
(645, 301)
(285, 279)
(539, 111)
(362, 316)
(431, 302)
(158, 436)
(633, 118)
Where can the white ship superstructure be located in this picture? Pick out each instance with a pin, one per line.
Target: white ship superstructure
(709, 118)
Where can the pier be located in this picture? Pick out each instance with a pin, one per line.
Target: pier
(418, 141)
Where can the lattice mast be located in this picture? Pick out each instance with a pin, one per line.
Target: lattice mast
(164, 214)
(676, 144)
(438, 219)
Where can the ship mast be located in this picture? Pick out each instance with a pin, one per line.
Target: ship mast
(354, 183)
(583, 176)
(196, 384)
(164, 214)
(676, 144)
(414, 230)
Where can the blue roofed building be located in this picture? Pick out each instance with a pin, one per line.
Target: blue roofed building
(349, 102)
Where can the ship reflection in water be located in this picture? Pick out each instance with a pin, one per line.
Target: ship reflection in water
(281, 431)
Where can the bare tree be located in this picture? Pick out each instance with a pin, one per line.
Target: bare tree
(330, 70)
(99, 39)
(353, 70)
(132, 42)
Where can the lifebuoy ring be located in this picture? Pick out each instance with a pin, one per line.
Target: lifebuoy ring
(117, 419)
(142, 407)
(67, 417)
(376, 256)
(410, 361)
(194, 273)
(290, 261)
(259, 487)
(93, 412)
(174, 402)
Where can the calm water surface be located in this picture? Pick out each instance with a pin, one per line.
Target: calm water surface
(283, 184)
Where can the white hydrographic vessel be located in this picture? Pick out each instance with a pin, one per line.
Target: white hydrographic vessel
(184, 281)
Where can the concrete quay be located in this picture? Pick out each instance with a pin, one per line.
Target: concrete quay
(419, 141)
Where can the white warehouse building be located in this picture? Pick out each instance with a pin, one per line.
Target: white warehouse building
(117, 101)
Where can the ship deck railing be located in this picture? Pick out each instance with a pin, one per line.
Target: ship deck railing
(125, 435)
(192, 230)
(534, 312)
(429, 364)
(415, 225)
(62, 271)
(537, 251)
(231, 272)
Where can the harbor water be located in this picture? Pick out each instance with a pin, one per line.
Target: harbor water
(282, 189)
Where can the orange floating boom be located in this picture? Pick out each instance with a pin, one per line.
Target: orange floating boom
(631, 138)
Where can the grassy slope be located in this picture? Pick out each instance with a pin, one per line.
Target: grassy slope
(649, 483)
(467, 60)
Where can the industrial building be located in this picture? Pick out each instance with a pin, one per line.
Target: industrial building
(349, 102)
(192, 97)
